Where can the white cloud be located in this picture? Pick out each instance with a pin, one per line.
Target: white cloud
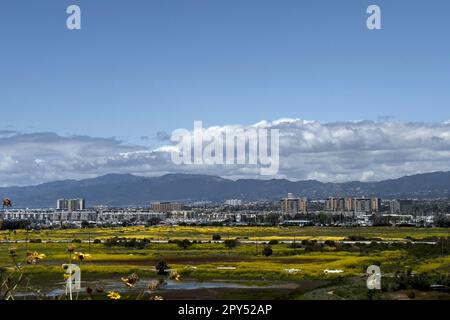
(341, 151)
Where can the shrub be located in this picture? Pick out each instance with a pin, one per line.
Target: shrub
(273, 242)
(97, 241)
(230, 243)
(295, 245)
(330, 243)
(443, 222)
(356, 238)
(267, 251)
(161, 267)
(85, 224)
(184, 244)
(216, 237)
(15, 224)
(35, 241)
(125, 242)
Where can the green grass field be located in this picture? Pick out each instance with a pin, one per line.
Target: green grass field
(251, 233)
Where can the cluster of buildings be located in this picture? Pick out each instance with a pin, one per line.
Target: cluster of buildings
(166, 206)
(332, 211)
(401, 206)
(233, 202)
(293, 205)
(353, 204)
(97, 216)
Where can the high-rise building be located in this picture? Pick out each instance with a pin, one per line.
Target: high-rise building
(375, 205)
(82, 204)
(233, 202)
(335, 204)
(353, 204)
(394, 206)
(303, 205)
(349, 204)
(71, 204)
(294, 205)
(62, 204)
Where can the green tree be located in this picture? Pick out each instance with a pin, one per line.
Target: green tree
(273, 218)
(230, 243)
(322, 218)
(85, 224)
(184, 244)
(267, 251)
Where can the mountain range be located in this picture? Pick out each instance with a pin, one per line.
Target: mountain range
(131, 190)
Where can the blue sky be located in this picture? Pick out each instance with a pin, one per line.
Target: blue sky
(139, 67)
(78, 104)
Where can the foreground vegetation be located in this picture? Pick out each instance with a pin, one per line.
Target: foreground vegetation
(290, 256)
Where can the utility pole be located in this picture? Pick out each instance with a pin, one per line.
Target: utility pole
(26, 240)
(229, 249)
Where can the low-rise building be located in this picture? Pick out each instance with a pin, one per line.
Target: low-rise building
(166, 206)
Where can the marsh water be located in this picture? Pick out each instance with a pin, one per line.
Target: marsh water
(185, 289)
(114, 285)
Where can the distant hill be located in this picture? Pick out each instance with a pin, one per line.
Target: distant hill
(128, 190)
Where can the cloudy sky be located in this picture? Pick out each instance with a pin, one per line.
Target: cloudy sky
(338, 151)
(106, 98)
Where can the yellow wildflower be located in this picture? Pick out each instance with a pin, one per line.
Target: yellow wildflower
(82, 256)
(114, 295)
(34, 257)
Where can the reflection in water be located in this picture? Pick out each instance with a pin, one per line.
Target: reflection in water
(57, 288)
